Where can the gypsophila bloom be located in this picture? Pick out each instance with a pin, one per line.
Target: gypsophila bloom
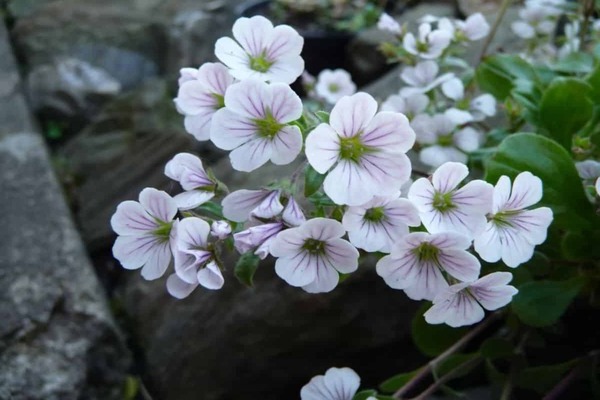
(220, 229)
(262, 51)
(312, 255)
(429, 44)
(336, 384)
(387, 23)
(512, 231)
(463, 303)
(201, 95)
(187, 169)
(144, 231)
(192, 255)
(254, 124)
(364, 152)
(409, 105)
(332, 85)
(418, 260)
(378, 224)
(240, 205)
(422, 78)
(443, 207)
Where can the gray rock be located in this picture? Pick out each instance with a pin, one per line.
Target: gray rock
(57, 340)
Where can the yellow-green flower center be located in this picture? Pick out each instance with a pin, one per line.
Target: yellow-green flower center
(260, 63)
(352, 149)
(333, 87)
(267, 127)
(219, 99)
(163, 231)
(443, 201)
(502, 219)
(314, 246)
(445, 140)
(422, 47)
(426, 252)
(375, 214)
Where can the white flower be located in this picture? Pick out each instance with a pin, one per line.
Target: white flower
(463, 303)
(332, 85)
(193, 257)
(262, 51)
(512, 231)
(429, 44)
(220, 229)
(336, 384)
(200, 95)
(312, 255)
(441, 143)
(478, 109)
(387, 23)
(409, 105)
(536, 19)
(257, 238)
(144, 231)
(238, 206)
(422, 77)
(188, 171)
(475, 27)
(588, 169)
(378, 224)
(253, 124)
(418, 260)
(443, 207)
(572, 40)
(365, 149)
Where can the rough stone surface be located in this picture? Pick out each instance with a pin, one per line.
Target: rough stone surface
(57, 338)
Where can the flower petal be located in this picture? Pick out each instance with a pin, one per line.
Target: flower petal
(178, 288)
(192, 199)
(131, 219)
(298, 270)
(211, 277)
(448, 176)
(322, 148)
(238, 205)
(352, 114)
(158, 261)
(251, 155)
(526, 191)
(158, 204)
(286, 145)
(285, 106)
(389, 132)
(326, 277)
(341, 255)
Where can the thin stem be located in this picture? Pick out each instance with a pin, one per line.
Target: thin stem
(557, 391)
(426, 370)
(450, 375)
(514, 369)
(490, 37)
(588, 11)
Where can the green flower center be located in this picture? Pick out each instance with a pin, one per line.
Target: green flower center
(502, 219)
(314, 246)
(445, 140)
(427, 252)
(219, 99)
(443, 201)
(163, 231)
(422, 47)
(352, 149)
(374, 214)
(260, 63)
(333, 88)
(268, 127)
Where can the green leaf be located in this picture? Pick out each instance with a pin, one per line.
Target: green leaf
(542, 303)
(543, 378)
(245, 268)
(364, 394)
(394, 383)
(131, 388)
(312, 180)
(322, 116)
(543, 157)
(496, 74)
(565, 109)
(581, 245)
(496, 348)
(593, 79)
(212, 208)
(575, 63)
(433, 339)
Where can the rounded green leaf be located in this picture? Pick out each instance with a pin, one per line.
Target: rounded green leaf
(245, 268)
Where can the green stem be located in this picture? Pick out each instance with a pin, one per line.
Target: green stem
(449, 376)
(490, 37)
(587, 11)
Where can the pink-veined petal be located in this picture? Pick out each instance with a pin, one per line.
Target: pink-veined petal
(341, 255)
(322, 148)
(131, 219)
(249, 98)
(389, 131)
(251, 155)
(326, 277)
(297, 270)
(285, 106)
(526, 191)
(286, 145)
(448, 176)
(238, 205)
(352, 114)
(231, 54)
(211, 277)
(253, 34)
(178, 288)
(158, 261)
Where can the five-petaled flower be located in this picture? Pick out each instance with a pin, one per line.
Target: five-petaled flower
(463, 303)
(253, 124)
(429, 43)
(364, 150)
(332, 85)
(312, 255)
(262, 51)
(512, 231)
(144, 231)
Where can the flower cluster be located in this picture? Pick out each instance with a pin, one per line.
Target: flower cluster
(429, 237)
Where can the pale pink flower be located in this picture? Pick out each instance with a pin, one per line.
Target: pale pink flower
(378, 224)
(463, 303)
(254, 124)
(240, 205)
(443, 207)
(262, 51)
(387, 23)
(429, 44)
(512, 230)
(144, 231)
(363, 151)
(418, 262)
(199, 188)
(312, 255)
(336, 384)
(422, 78)
(332, 85)
(410, 105)
(200, 95)
(475, 27)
